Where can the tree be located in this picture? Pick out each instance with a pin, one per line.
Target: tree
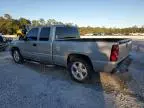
(35, 23)
(7, 16)
(53, 22)
(42, 21)
(70, 24)
(23, 21)
(8, 25)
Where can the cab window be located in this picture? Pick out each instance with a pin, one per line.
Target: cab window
(66, 32)
(44, 34)
(32, 34)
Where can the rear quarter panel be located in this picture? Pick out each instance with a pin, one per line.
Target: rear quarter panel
(98, 52)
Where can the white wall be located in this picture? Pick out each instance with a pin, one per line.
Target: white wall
(12, 36)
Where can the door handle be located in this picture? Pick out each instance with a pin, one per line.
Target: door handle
(34, 44)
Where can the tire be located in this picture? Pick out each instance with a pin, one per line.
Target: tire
(17, 57)
(75, 70)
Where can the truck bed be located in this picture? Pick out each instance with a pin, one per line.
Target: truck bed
(103, 44)
(119, 40)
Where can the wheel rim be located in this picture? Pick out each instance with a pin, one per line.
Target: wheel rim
(16, 56)
(79, 71)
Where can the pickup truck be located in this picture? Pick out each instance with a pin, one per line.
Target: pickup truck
(3, 43)
(62, 45)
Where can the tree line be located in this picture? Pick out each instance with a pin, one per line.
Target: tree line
(9, 25)
(111, 31)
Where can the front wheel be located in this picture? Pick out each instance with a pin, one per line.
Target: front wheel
(80, 70)
(17, 56)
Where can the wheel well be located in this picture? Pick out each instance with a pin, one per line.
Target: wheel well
(14, 48)
(81, 56)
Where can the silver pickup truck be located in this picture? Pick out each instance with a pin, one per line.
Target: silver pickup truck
(62, 45)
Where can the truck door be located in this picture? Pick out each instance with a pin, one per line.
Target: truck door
(29, 47)
(45, 45)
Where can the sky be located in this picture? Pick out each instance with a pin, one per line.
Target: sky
(108, 13)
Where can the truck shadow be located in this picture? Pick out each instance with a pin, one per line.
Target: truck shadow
(90, 94)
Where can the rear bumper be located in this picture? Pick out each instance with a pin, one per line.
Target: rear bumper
(123, 65)
(109, 66)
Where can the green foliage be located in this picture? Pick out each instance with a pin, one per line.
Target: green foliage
(35, 23)
(8, 25)
(110, 31)
(23, 21)
(7, 16)
(42, 22)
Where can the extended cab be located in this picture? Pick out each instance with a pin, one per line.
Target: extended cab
(62, 45)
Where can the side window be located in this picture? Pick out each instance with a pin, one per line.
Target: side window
(32, 34)
(66, 32)
(44, 34)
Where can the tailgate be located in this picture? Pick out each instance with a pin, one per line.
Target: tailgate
(125, 47)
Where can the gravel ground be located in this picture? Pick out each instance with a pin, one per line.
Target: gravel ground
(32, 85)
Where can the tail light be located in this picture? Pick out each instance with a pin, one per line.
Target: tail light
(114, 53)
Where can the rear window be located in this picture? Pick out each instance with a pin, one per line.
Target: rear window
(44, 34)
(66, 32)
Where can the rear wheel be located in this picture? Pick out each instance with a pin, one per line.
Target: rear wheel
(80, 70)
(17, 57)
